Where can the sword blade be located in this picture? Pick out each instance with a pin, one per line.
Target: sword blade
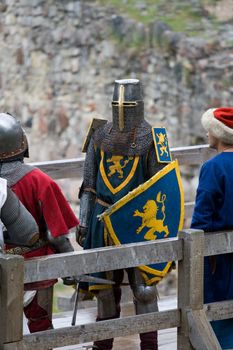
(85, 278)
(75, 306)
(88, 278)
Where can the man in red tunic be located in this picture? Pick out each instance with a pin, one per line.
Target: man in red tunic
(45, 201)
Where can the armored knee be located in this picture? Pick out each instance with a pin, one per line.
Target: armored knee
(145, 298)
(145, 294)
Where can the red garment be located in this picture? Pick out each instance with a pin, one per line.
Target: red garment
(45, 201)
(43, 198)
(38, 318)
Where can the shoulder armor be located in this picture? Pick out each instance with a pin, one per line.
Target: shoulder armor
(95, 124)
(161, 145)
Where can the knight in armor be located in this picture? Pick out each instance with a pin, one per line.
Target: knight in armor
(43, 198)
(120, 157)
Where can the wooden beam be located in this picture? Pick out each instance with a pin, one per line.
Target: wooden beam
(192, 155)
(102, 259)
(190, 281)
(12, 346)
(201, 333)
(218, 243)
(11, 298)
(188, 209)
(73, 168)
(220, 310)
(60, 169)
(102, 330)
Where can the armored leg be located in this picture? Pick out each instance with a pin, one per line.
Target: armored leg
(145, 301)
(38, 315)
(149, 340)
(108, 302)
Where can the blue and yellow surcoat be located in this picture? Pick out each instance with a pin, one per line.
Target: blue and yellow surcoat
(117, 175)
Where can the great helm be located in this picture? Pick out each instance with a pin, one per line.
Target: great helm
(127, 104)
(13, 141)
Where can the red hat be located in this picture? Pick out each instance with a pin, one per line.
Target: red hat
(219, 121)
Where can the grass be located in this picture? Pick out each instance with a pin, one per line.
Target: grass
(178, 14)
(60, 290)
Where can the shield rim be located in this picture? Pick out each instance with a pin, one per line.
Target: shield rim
(105, 216)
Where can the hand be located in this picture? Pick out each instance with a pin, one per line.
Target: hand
(81, 233)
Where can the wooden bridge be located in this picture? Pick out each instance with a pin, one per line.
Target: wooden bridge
(191, 317)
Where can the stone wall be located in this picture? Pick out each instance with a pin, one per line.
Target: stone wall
(59, 60)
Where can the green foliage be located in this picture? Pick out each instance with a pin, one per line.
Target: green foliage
(180, 15)
(226, 82)
(136, 41)
(209, 2)
(60, 290)
(132, 8)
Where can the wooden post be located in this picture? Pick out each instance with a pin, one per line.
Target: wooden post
(201, 334)
(13, 346)
(190, 282)
(11, 301)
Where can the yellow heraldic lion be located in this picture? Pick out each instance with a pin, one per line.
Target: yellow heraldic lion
(149, 218)
(117, 167)
(163, 143)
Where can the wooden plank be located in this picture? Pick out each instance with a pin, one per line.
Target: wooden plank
(219, 310)
(191, 269)
(60, 169)
(102, 259)
(73, 168)
(11, 298)
(218, 243)
(201, 333)
(190, 281)
(166, 337)
(12, 346)
(188, 209)
(102, 330)
(192, 155)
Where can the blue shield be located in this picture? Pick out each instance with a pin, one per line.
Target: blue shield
(154, 210)
(161, 145)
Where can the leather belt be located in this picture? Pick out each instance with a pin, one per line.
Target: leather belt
(104, 204)
(20, 250)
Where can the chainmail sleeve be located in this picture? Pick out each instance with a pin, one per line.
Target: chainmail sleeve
(90, 168)
(152, 164)
(87, 193)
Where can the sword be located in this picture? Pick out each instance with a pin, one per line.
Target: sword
(85, 278)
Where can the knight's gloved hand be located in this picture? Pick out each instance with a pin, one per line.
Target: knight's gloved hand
(69, 281)
(81, 233)
(61, 244)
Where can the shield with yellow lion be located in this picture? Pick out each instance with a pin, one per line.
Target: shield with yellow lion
(154, 210)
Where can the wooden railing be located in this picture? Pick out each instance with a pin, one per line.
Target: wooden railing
(191, 317)
(73, 168)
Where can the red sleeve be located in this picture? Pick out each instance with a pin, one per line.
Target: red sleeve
(43, 198)
(57, 212)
